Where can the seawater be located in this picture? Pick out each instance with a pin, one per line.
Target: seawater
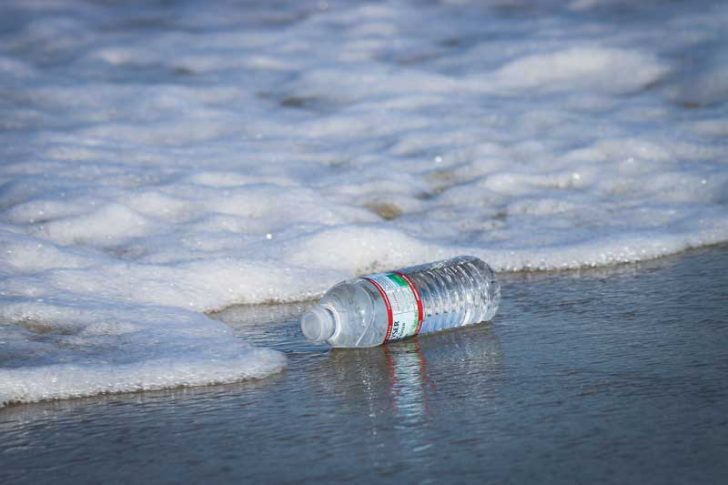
(609, 375)
(159, 161)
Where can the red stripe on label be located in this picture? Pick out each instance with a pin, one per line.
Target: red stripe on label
(416, 292)
(390, 318)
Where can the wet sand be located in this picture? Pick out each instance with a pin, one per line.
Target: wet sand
(614, 375)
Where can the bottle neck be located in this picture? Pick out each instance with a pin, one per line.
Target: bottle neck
(319, 323)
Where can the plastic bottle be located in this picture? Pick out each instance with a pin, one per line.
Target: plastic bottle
(379, 308)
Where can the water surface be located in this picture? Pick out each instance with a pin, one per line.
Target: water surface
(615, 375)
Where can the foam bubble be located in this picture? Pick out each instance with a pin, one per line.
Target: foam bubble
(591, 68)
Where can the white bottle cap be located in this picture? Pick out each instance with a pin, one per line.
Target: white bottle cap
(318, 324)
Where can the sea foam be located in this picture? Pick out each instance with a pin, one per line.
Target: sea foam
(163, 161)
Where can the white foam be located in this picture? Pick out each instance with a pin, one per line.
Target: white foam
(591, 68)
(155, 171)
(61, 346)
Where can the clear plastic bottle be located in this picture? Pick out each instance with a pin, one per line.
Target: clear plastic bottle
(378, 308)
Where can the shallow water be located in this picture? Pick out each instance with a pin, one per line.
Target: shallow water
(613, 375)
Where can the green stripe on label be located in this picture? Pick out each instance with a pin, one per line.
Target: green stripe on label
(401, 302)
(397, 279)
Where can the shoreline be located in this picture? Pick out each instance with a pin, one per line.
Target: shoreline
(609, 377)
(607, 269)
(263, 313)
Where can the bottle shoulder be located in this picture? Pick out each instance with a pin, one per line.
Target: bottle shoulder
(358, 310)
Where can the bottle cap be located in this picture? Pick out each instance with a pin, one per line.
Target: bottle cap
(318, 324)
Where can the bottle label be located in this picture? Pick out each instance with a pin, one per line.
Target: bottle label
(403, 303)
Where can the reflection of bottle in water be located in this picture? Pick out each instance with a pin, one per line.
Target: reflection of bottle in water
(407, 378)
(393, 391)
(378, 308)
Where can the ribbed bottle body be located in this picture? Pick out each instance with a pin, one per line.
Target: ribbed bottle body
(455, 292)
